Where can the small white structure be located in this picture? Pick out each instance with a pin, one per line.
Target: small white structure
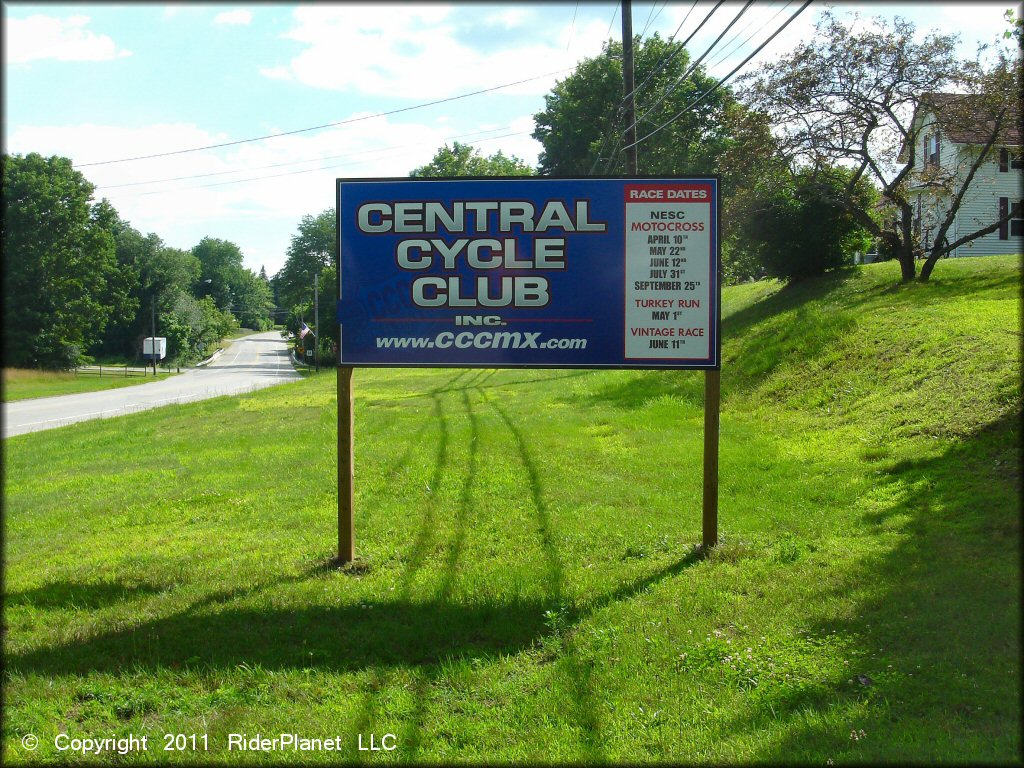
(941, 165)
(160, 346)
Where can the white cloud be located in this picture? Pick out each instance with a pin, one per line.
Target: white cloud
(241, 17)
(46, 37)
(416, 51)
(277, 73)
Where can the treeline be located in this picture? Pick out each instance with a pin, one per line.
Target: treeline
(81, 282)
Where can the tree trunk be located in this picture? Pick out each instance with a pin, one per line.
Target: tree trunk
(905, 248)
(908, 268)
(927, 267)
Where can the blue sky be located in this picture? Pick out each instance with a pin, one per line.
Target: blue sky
(97, 83)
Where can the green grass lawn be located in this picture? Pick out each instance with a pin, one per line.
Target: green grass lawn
(22, 384)
(527, 586)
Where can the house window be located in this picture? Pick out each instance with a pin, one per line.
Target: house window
(931, 149)
(1008, 161)
(1015, 226)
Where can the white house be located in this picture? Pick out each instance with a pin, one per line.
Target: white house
(942, 161)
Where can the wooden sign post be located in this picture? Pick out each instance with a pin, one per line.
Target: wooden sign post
(712, 399)
(346, 468)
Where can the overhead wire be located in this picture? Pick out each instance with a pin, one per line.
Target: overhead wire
(726, 54)
(692, 68)
(325, 125)
(663, 62)
(611, 129)
(669, 53)
(721, 82)
(289, 173)
(664, 5)
(614, 13)
(572, 27)
(666, 57)
(290, 162)
(647, 24)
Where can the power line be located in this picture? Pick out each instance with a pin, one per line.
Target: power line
(290, 162)
(670, 54)
(614, 14)
(747, 26)
(326, 125)
(292, 173)
(664, 5)
(662, 62)
(649, 14)
(572, 27)
(692, 68)
(717, 85)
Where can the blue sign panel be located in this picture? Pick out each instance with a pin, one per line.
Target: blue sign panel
(529, 272)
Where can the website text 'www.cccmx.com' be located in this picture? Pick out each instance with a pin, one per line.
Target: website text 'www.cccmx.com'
(478, 340)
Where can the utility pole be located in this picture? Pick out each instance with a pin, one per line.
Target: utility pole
(316, 320)
(628, 86)
(152, 348)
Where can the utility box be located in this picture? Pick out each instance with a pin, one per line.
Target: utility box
(156, 351)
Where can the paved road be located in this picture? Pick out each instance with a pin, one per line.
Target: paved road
(252, 362)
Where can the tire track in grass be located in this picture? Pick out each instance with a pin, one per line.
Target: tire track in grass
(577, 676)
(455, 550)
(379, 678)
(424, 681)
(555, 579)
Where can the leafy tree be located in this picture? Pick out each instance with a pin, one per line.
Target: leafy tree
(193, 327)
(221, 264)
(253, 302)
(157, 271)
(850, 97)
(799, 231)
(582, 123)
(464, 160)
(1016, 27)
(233, 286)
(62, 280)
(312, 249)
(751, 168)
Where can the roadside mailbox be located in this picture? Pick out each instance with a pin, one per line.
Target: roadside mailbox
(151, 351)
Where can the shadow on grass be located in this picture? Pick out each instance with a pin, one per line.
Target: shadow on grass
(69, 594)
(427, 674)
(477, 383)
(939, 649)
(349, 637)
(787, 297)
(555, 579)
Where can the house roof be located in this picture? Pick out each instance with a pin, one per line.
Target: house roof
(977, 132)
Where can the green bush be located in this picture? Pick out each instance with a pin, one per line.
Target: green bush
(799, 231)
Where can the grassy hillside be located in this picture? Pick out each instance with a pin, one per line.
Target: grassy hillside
(527, 586)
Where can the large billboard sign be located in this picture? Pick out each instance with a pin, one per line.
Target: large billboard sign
(529, 272)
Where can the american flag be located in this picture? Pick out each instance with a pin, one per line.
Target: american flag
(304, 330)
